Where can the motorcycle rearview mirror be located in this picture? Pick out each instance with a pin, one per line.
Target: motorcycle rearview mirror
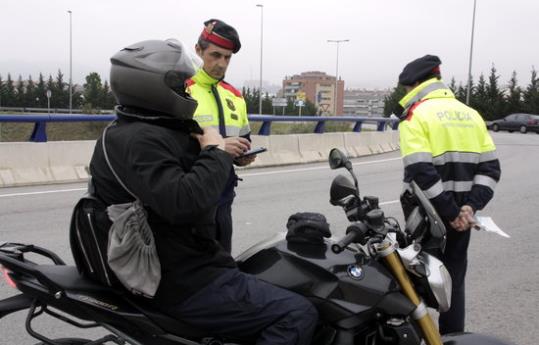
(342, 191)
(337, 159)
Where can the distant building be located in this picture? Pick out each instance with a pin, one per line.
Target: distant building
(319, 88)
(364, 102)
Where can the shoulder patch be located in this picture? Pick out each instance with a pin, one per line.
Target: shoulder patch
(189, 82)
(412, 108)
(230, 88)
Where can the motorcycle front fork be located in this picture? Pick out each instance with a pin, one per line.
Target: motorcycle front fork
(430, 333)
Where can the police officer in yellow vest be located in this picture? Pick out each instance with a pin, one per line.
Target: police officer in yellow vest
(448, 152)
(221, 106)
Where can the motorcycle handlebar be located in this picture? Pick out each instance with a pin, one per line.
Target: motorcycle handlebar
(356, 232)
(343, 243)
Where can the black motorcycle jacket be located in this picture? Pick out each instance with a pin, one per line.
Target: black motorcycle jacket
(179, 185)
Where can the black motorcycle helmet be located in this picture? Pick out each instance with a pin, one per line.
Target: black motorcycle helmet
(150, 76)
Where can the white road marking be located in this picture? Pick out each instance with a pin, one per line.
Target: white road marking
(286, 171)
(389, 202)
(43, 192)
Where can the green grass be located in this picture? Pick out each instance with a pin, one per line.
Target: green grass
(57, 131)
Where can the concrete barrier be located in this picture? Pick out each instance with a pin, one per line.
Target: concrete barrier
(357, 144)
(51, 162)
(67, 161)
(316, 147)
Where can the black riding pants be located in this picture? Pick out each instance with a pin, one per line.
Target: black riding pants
(223, 222)
(240, 307)
(455, 259)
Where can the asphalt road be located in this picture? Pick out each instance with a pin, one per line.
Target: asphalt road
(503, 275)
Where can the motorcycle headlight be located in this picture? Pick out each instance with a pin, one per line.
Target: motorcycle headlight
(439, 281)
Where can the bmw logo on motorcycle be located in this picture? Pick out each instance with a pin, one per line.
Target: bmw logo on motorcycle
(356, 272)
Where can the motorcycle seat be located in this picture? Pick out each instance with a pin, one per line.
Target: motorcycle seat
(69, 278)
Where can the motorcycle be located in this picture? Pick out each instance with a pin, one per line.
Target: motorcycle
(372, 287)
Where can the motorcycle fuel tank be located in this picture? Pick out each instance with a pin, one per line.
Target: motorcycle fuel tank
(339, 284)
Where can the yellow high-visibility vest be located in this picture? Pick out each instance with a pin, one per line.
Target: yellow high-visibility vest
(220, 105)
(446, 149)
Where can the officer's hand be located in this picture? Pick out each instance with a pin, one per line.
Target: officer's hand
(243, 161)
(460, 223)
(235, 146)
(467, 213)
(211, 136)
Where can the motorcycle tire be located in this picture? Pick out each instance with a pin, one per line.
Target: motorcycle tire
(69, 341)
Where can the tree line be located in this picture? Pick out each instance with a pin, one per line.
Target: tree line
(93, 95)
(96, 95)
(488, 97)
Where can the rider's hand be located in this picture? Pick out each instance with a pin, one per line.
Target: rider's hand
(243, 161)
(210, 137)
(235, 146)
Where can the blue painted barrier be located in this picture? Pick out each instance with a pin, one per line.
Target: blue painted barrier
(39, 133)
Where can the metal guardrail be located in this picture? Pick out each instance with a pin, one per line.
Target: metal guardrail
(50, 111)
(39, 133)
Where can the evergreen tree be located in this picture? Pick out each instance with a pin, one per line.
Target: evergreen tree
(93, 91)
(52, 87)
(460, 94)
(513, 99)
(1, 91)
(29, 97)
(465, 89)
(267, 107)
(19, 91)
(391, 102)
(479, 97)
(453, 85)
(252, 101)
(494, 105)
(61, 91)
(9, 92)
(531, 95)
(41, 92)
(78, 99)
(108, 101)
(249, 101)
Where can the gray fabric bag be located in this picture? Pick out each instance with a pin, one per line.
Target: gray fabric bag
(131, 251)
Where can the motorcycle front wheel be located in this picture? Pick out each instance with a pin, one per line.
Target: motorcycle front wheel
(69, 341)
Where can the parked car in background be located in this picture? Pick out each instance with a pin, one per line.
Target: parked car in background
(516, 122)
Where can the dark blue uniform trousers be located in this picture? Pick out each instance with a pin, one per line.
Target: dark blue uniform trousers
(240, 307)
(455, 259)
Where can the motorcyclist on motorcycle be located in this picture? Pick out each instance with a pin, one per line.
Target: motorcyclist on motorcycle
(178, 171)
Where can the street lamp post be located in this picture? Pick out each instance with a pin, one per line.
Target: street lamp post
(261, 55)
(336, 74)
(49, 95)
(70, 63)
(468, 89)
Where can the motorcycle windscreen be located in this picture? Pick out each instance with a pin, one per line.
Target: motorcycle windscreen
(437, 228)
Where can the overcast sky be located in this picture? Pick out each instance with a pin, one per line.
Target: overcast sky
(384, 35)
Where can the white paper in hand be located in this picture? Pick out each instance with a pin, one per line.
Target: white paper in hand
(488, 225)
